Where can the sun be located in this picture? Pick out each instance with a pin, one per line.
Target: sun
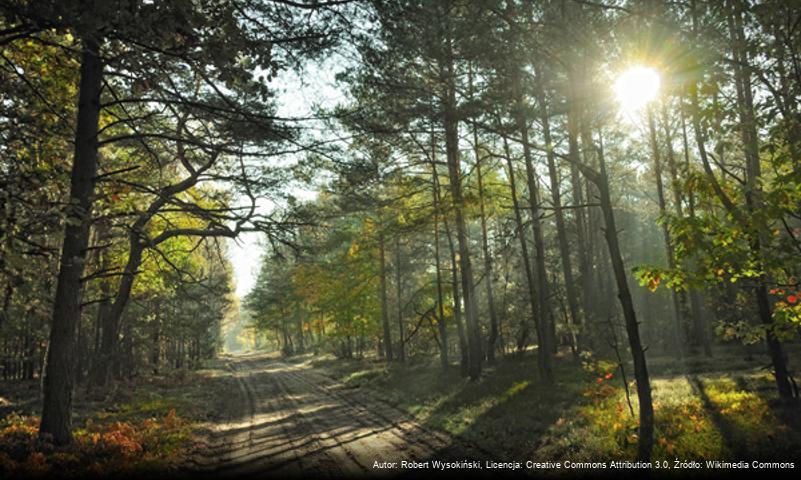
(636, 87)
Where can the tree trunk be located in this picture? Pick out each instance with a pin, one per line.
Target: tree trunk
(457, 301)
(530, 283)
(492, 341)
(678, 337)
(753, 190)
(646, 429)
(286, 349)
(556, 198)
(450, 124)
(299, 323)
(399, 295)
(544, 314)
(128, 369)
(700, 323)
(594, 301)
(80, 350)
(694, 295)
(155, 340)
(579, 214)
(103, 231)
(112, 320)
(57, 384)
(575, 114)
(30, 351)
(384, 306)
(442, 326)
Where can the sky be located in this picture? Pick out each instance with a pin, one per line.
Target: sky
(297, 96)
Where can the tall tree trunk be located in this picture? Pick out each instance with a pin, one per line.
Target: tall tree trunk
(492, 340)
(103, 231)
(286, 349)
(556, 199)
(576, 69)
(112, 320)
(299, 323)
(753, 189)
(464, 355)
(58, 375)
(128, 370)
(80, 350)
(580, 218)
(700, 323)
(442, 326)
(594, 299)
(646, 429)
(678, 337)
(384, 303)
(399, 298)
(450, 124)
(675, 188)
(544, 313)
(530, 282)
(155, 340)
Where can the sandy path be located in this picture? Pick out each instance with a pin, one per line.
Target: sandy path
(290, 421)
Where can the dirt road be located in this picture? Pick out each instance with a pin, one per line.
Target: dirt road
(290, 420)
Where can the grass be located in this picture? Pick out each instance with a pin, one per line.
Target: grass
(486, 412)
(724, 408)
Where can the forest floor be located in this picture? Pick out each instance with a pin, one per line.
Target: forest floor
(316, 416)
(145, 425)
(721, 408)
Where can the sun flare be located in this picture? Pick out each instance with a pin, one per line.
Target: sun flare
(636, 87)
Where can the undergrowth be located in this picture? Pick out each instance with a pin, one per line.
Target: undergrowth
(99, 447)
(585, 416)
(696, 417)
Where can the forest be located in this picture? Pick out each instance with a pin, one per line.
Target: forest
(339, 237)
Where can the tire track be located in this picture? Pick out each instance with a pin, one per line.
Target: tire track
(412, 431)
(363, 441)
(217, 443)
(260, 453)
(407, 438)
(294, 422)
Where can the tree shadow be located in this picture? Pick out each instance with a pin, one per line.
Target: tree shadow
(311, 416)
(514, 411)
(730, 435)
(744, 434)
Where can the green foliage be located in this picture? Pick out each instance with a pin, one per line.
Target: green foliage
(712, 249)
(333, 293)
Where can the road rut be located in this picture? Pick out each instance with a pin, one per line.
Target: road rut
(292, 421)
